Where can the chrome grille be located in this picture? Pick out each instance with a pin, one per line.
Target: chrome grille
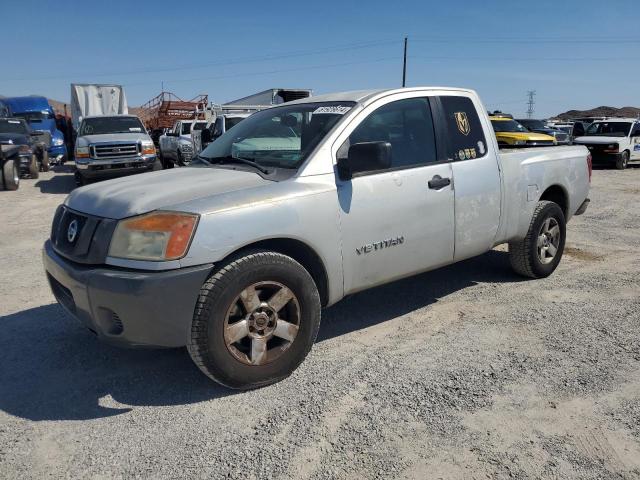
(114, 150)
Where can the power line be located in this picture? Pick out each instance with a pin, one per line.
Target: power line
(270, 72)
(236, 61)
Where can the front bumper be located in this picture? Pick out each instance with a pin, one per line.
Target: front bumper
(58, 152)
(127, 307)
(90, 168)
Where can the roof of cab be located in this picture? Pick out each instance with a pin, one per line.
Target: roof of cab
(616, 119)
(111, 115)
(30, 103)
(365, 96)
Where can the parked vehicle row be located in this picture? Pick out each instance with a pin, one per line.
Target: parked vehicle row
(297, 207)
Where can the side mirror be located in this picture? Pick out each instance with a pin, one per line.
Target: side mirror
(365, 157)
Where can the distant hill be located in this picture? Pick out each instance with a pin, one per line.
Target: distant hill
(603, 111)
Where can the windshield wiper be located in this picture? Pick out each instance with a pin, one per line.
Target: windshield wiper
(231, 159)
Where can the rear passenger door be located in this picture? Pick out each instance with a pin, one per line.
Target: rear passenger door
(476, 172)
(396, 222)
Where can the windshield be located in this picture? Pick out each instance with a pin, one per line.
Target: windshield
(281, 136)
(13, 126)
(231, 121)
(105, 125)
(31, 117)
(609, 129)
(533, 124)
(508, 126)
(186, 127)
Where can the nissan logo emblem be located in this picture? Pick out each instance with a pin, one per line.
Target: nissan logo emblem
(72, 231)
(115, 150)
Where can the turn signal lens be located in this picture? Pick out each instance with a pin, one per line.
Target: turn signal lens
(82, 152)
(148, 149)
(155, 236)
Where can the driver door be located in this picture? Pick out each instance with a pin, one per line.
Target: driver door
(397, 222)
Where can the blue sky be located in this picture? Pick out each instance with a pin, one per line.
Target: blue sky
(575, 54)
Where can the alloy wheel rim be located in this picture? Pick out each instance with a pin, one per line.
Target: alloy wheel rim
(262, 323)
(548, 240)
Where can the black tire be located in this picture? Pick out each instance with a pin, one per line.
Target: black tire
(44, 163)
(524, 256)
(622, 161)
(80, 180)
(34, 167)
(10, 175)
(207, 346)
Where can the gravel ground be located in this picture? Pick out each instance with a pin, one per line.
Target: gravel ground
(465, 372)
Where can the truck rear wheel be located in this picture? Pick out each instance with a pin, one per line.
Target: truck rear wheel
(34, 168)
(255, 320)
(539, 253)
(622, 160)
(10, 175)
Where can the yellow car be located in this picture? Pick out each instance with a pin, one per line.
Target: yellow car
(512, 134)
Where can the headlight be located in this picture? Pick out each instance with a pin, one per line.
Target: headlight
(82, 152)
(613, 147)
(58, 141)
(148, 148)
(154, 236)
(520, 142)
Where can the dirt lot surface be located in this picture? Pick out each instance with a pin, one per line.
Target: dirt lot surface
(465, 372)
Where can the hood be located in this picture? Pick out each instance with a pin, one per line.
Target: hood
(597, 140)
(530, 136)
(138, 194)
(16, 138)
(113, 137)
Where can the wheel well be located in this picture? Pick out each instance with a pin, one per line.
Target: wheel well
(301, 253)
(557, 195)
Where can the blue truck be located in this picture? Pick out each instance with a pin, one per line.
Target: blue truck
(37, 112)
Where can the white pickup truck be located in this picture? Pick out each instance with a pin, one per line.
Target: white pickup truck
(176, 146)
(613, 141)
(296, 207)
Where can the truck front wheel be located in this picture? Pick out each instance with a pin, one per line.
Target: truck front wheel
(10, 175)
(622, 160)
(34, 168)
(255, 320)
(539, 253)
(44, 162)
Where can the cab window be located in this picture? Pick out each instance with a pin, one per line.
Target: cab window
(464, 130)
(407, 125)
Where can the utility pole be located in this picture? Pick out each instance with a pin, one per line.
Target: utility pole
(531, 103)
(404, 64)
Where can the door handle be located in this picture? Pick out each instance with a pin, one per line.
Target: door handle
(438, 182)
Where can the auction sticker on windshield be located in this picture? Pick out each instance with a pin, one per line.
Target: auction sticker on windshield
(332, 109)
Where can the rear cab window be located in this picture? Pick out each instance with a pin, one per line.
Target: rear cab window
(464, 131)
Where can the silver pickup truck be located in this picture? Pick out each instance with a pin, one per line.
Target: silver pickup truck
(295, 208)
(110, 146)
